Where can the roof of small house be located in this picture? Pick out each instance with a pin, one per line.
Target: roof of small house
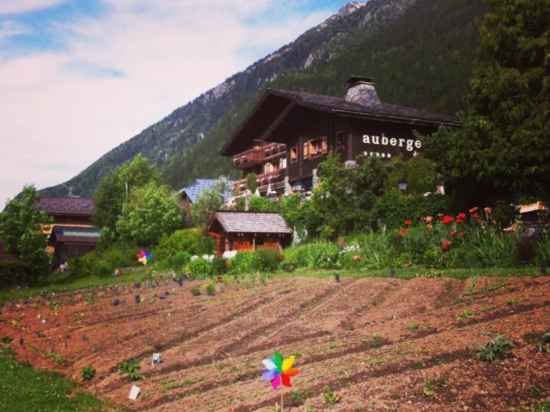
(73, 206)
(252, 222)
(72, 234)
(194, 191)
(279, 102)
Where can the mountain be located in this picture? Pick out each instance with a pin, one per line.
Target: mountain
(419, 51)
(187, 126)
(421, 57)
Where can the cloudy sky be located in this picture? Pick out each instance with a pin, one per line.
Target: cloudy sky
(78, 77)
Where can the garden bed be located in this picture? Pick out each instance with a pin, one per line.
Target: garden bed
(375, 343)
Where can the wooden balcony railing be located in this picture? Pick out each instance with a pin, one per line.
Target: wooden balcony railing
(259, 155)
(275, 179)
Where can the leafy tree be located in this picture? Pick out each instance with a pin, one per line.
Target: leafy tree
(502, 149)
(209, 201)
(20, 229)
(115, 189)
(252, 182)
(345, 197)
(419, 173)
(151, 212)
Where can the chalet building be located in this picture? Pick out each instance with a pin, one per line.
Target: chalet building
(72, 232)
(248, 231)
(309, 126)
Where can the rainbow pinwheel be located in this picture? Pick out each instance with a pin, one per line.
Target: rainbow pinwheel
(279, 370)
(144, 257)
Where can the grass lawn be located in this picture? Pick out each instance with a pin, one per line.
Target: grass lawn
(25, 389)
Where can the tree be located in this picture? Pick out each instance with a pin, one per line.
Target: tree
(152, 211)
(115, 189)
(502, 149)
(20, 229)
(419, 173)
(345, 197)
(252, 182)
(209, 201)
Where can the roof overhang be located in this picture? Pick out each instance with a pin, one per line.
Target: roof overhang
(275, 106)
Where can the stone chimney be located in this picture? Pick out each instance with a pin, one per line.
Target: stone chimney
(361, 90)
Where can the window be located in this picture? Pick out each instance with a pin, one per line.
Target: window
(293, 154)
(315, 147)
(269, 168)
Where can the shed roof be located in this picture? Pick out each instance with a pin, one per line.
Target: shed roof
(71, 234)
(252, 222)
(194, 191)
(74, 206)
(279, 102)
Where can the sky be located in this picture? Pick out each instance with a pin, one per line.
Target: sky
(79, 77)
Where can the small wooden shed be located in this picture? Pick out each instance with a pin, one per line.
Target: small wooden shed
(248, 231)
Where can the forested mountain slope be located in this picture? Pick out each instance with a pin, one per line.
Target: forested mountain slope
(176, 135)
(423, 58)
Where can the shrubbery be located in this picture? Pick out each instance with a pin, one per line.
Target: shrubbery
(315, 255)
(103, 262)
(175, 250)
(15, 273)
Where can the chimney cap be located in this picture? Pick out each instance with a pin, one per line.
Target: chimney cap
(354, 79)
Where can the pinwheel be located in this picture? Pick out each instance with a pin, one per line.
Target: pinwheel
(279, 370)
(144, 257)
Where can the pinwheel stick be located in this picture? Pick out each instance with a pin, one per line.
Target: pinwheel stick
(282, 401)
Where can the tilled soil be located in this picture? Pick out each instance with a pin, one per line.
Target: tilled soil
(378, 344)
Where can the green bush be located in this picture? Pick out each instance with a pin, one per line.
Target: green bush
(201, 268)
(243, 262)
(191, 241)
(543, 251)
(376, 250)
(104, 262)
(177, 261)
(315, 255)
(267, 260)
(15, 273)
(394, 207)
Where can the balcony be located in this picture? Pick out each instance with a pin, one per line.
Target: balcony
(276, 179)
(259, 155)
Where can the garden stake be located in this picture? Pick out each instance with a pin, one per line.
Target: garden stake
(337, 277)
(392, 273)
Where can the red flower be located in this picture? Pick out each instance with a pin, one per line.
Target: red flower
(447, 220)
(461, 217)
(473, 210)
(428, 219)
(408, 222)
(446, 245)
(453, 233)
(403, 231)
(488, 211)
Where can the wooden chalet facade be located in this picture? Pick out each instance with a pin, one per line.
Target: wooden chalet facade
(72, 232)
(248, 231)
(310, 126)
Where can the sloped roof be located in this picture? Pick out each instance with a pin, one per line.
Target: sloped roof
(275, 101)
(194, 191)
(74, 206)
(252, 222)
(68, 234)
(384, 110)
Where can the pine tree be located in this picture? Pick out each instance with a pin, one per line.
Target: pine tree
(503, 148)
